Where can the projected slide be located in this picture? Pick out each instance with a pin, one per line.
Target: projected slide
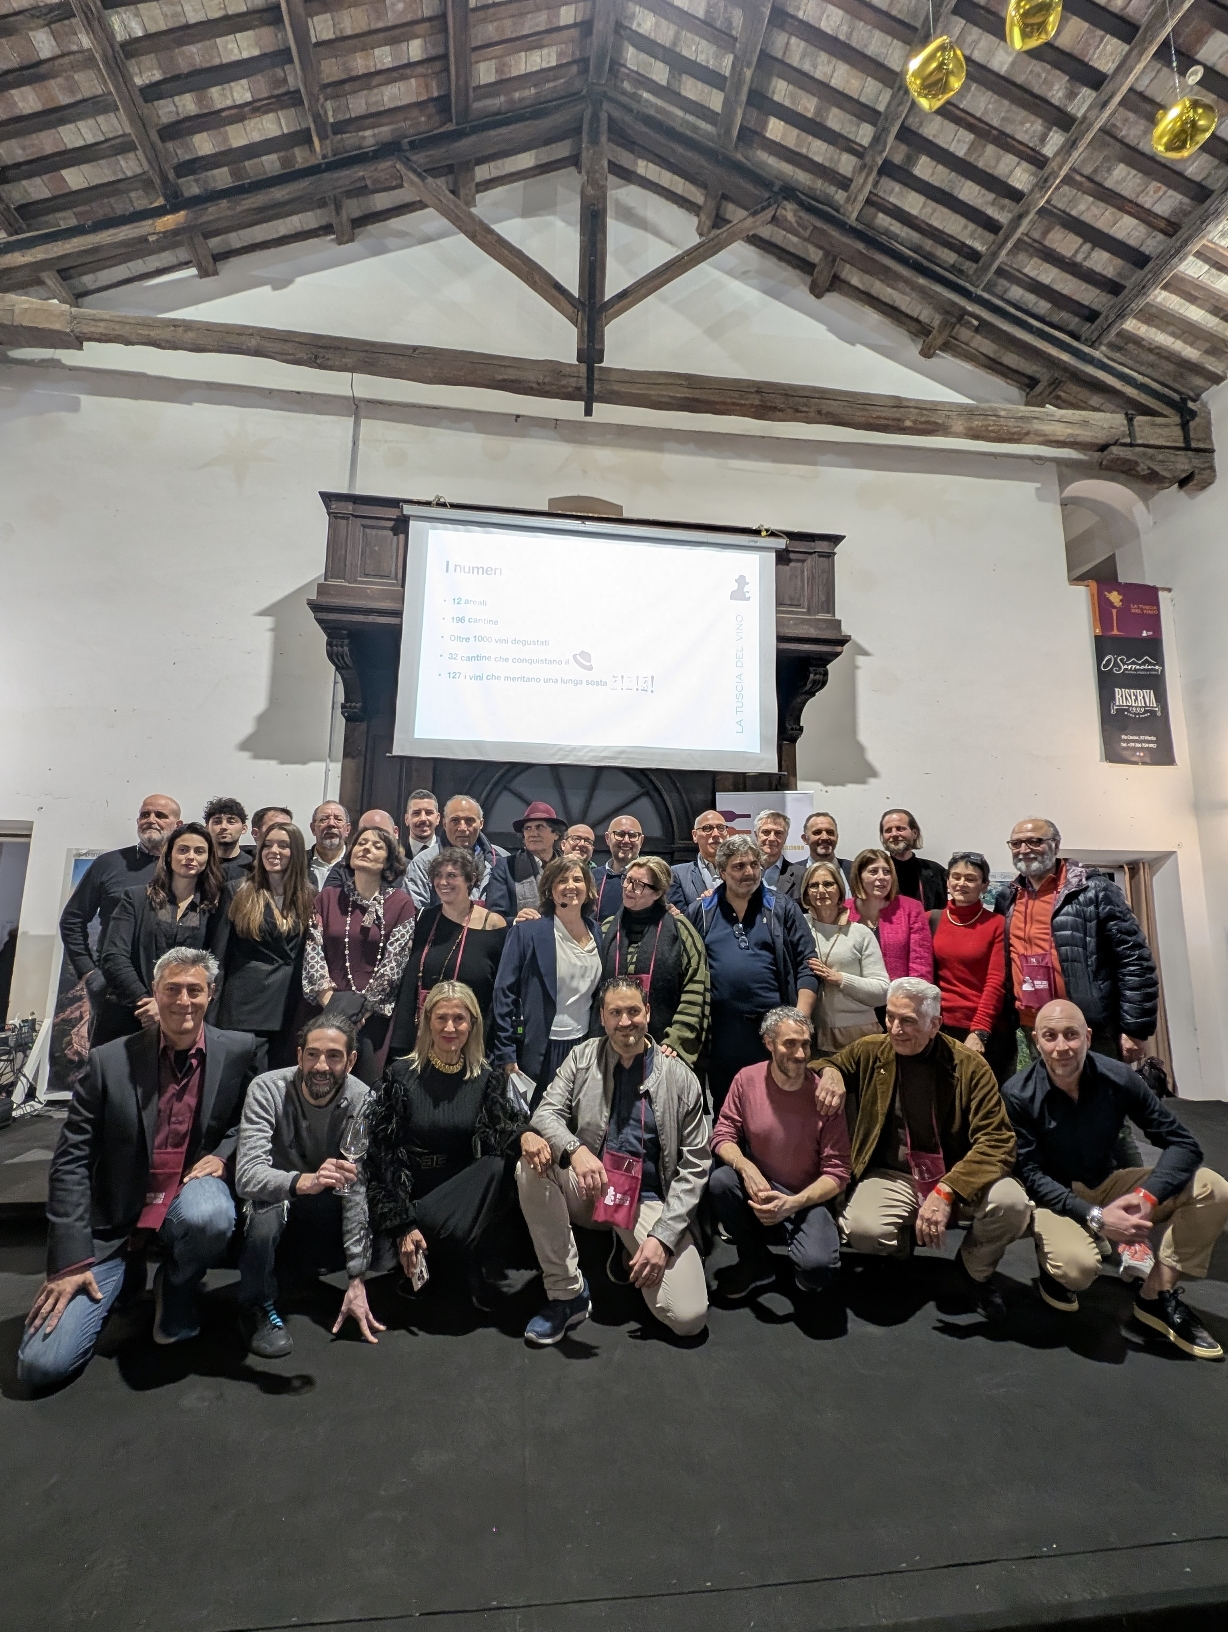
(550, 646)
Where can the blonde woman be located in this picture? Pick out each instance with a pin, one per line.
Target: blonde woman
(444, 1139)
(848, 962)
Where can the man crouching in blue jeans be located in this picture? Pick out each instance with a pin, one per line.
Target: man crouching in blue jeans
(141, 1161)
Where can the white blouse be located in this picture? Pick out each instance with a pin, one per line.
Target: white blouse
(577, 972)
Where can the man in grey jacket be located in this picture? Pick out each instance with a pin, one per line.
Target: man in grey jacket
(618, 1094)
(301, 1193)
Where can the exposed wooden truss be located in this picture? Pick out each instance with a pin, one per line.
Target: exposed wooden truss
(1028, 215)
(1151, 448)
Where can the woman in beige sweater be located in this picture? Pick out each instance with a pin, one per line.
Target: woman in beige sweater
(847, 961)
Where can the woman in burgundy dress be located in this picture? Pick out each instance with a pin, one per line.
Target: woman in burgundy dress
(361, 934)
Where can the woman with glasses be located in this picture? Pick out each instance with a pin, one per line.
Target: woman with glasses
(852, 976)
(970, 966)
(664, 954)
(459, 939)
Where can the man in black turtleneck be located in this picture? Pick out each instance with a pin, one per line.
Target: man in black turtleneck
(919, 877)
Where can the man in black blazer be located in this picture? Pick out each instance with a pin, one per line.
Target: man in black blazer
(695, 878)
(142, 1159)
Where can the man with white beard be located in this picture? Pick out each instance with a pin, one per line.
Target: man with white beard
(1070, 934)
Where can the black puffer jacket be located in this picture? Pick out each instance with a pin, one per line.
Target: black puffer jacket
(1106, 964)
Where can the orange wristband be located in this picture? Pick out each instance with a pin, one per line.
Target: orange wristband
(947, 1194)
(1146, 1195)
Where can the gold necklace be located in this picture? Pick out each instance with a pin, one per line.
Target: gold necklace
(442, 1065)
(972, 922)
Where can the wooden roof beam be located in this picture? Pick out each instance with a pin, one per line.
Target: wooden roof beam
(678, 265)
(51, 281)
(460, 90)
(315, 106)
(601, 41)
(509, 256)
(1133, 60)
(1198, 228)
(135, 118)
(1153, 447)
(823, 228)
(228, 208)
(594, 215)
(753, 27)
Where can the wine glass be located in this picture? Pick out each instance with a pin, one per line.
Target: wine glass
(354, 1142)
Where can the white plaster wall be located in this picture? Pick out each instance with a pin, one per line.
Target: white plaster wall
(1185, 550)
(160, 534)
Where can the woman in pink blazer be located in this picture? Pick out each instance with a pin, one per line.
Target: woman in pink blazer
(899, 922)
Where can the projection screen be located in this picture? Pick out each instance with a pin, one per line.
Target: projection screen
(586, 642)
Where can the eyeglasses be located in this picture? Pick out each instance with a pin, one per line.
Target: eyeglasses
(622, 833)
(712, 827)
(1027, 844)
(637, 886)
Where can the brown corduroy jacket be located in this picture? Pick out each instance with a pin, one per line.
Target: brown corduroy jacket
(977, 1139)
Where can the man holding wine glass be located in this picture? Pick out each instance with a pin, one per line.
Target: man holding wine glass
(301, 1137)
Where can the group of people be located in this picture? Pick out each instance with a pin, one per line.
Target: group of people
(424, 1056)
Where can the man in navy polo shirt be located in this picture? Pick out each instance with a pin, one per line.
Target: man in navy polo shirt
(758, 944)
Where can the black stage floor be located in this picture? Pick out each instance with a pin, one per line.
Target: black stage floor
(903, 1466)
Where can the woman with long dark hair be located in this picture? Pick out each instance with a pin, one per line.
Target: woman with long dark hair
(261, 951)
(457, 939)
(664, 954)
(180, 906)
(444, 1139)
(362, 932)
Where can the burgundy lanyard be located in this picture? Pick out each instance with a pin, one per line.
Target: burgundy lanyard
(430, 941)
(618, 946)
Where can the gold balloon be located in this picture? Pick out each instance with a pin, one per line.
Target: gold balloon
(935, 73)
(1030, 23)
(1183, 128)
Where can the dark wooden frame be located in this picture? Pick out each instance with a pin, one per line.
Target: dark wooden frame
(358, 605)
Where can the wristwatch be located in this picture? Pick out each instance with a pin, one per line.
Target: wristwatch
(569, 1151)
(1095, 1218)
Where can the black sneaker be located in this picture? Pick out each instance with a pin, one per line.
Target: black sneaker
(618, 1265)
(746, 1277)
(1056, 1295)
(985, 1294)
(1167, 1313)
(266, 1333)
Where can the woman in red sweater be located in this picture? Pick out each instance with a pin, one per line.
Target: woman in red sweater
(969, 965)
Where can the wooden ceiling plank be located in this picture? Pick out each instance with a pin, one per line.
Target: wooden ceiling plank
(33, 17)
(678, 265)
(509, 256)
(1200, 226)
(824, 228)
(114, 72)
(746, 51)
(894, 113)
(11, 222)
(1154, 443)
(519, 131)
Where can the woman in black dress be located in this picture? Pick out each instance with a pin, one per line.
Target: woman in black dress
(444, 1142)
(182, 905)
(457, 940)
(262, 951)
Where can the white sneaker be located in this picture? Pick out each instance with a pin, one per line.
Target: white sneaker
(1137, 1260)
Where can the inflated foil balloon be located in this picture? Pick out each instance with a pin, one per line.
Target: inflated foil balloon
(1030, 23)
(935, 73)
(1183, 128)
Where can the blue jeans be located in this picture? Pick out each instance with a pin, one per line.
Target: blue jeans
(194, 1233)
(811, 1235)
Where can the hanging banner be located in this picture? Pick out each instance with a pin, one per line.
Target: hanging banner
(1134, 723)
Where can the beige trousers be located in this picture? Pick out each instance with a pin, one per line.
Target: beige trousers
(882, 1210)
(551, 1204)
(1187, 1226)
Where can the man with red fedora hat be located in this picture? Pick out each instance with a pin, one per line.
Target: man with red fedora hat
(540, 830)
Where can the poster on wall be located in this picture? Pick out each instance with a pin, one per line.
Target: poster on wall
(1134, 721)
(740, 810)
